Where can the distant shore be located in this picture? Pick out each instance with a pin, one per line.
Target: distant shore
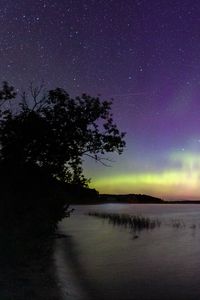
(131, 199)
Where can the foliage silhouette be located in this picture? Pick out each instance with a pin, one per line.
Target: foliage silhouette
(43, 138)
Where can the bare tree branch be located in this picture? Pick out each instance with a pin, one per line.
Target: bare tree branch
(100, 159)
(35, 92)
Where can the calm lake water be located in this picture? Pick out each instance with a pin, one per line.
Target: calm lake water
(100, 261)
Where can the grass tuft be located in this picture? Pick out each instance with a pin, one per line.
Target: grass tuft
(133, 222)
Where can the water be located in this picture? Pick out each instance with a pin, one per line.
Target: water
(100, 261)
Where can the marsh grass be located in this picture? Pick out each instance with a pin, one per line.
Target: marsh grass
(176, 223)
(132, 222)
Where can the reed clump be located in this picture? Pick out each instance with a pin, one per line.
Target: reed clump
(178, 223)
(132, 222)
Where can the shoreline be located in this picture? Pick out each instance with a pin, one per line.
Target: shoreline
(128, 202)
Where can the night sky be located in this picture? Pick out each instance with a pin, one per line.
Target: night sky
(144, 54)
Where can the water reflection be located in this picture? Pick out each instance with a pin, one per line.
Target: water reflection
(107, 262)
(69, 271)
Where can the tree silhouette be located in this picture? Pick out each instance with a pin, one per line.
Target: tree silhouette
(50, 133)
(57, 131)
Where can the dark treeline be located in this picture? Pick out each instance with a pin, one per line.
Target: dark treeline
(129, 198)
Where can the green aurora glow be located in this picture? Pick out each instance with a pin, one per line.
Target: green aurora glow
(180, 181)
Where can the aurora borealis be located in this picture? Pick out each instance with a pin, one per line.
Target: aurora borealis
(145, 54)
(176, 182)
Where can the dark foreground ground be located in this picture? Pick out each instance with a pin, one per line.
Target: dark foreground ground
(27, 268)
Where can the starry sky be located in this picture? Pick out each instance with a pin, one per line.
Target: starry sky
(145, 54)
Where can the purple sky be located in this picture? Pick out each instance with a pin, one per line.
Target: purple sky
(144, 54)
